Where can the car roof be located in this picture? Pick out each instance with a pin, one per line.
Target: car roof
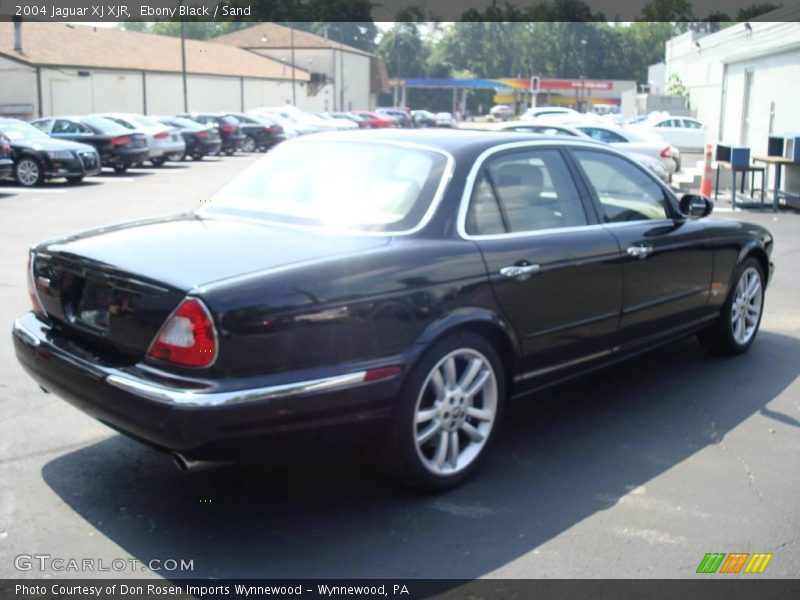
(452, 141)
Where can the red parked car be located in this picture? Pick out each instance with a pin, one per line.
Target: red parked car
(377, 121)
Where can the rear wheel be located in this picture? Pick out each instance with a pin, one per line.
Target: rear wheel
(447, 413)
(738, 324)
(28, 172)
(249, 144)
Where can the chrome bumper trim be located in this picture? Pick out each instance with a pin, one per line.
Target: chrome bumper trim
(192, 398)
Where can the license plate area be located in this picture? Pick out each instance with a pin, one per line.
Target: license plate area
(86, 302)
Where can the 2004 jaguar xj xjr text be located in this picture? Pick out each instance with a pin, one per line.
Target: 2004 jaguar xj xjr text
(415, 279)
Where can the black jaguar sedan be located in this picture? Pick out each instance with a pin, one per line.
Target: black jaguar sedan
(401, 279)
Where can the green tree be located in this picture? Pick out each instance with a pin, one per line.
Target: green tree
(755, 10)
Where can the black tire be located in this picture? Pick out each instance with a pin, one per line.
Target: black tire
(249, 144)
(28, 171)
(410, 462)
(120, 169)
(197, 157)
(158, 162)
(230, 151)
(721, 338)
(75, 180)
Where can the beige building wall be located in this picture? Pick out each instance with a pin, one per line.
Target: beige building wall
(17, 90)
(713, 68)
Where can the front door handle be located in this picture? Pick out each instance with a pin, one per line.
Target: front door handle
(641, 251)
(519, 272)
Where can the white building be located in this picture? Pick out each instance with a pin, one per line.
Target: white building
(743, 81)
(343, 78)
(54, 68)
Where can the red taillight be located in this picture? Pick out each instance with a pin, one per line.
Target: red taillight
(120, 141)
(161, 135)
(666, 153)
(275, 129)
(188, 338)
(201, 134)
(229, 128)
(32, 293)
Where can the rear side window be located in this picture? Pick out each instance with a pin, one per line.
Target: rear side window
(603, 135)
(524, 191)
(625, 191)
(65, 126)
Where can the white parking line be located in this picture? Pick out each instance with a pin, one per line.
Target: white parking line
(37, 190)
(109, 179)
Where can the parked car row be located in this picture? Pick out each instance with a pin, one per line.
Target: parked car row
(78, 146)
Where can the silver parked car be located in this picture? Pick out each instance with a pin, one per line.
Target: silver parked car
(165, 142)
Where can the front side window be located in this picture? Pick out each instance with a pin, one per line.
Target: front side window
(357, 186)
(524, 191)
(625, 191)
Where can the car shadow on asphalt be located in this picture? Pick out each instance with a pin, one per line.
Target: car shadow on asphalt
(327, 512)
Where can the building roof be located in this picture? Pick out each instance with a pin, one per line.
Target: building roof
(57, 44)
(272, 35)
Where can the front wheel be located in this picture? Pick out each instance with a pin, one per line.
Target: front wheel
(28, 172)
(447, 414)
(740, 319)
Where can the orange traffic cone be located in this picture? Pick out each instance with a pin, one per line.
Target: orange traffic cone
(705, 186)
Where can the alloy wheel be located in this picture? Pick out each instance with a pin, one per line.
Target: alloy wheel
(455, 411)
(249, 144)
(746, 308)
(28, 172)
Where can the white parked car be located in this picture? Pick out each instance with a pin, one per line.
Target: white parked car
(290, 121)
(165, 142)
(444, 119)
(501, 111)
(339, 123)
(550, 112)
(631, 140)
(682, 132)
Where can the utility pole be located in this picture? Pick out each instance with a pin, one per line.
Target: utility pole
(183, 65)
(294, 91)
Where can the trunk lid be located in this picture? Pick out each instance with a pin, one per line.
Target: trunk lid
(114, 287)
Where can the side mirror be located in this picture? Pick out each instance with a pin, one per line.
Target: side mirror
(695, 205)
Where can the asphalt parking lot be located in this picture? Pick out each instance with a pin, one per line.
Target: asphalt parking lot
(637, 471)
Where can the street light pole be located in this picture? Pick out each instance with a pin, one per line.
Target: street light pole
(583, 76)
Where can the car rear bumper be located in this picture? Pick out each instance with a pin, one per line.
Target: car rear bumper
(199, 418)
(6, 168)
(126, 158)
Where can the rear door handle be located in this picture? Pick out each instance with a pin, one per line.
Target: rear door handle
(640, 251)
(519, 272)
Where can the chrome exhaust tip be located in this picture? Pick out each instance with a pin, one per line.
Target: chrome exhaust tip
(188, 465)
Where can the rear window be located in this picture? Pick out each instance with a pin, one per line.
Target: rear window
(104, 125)
(346, 185)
